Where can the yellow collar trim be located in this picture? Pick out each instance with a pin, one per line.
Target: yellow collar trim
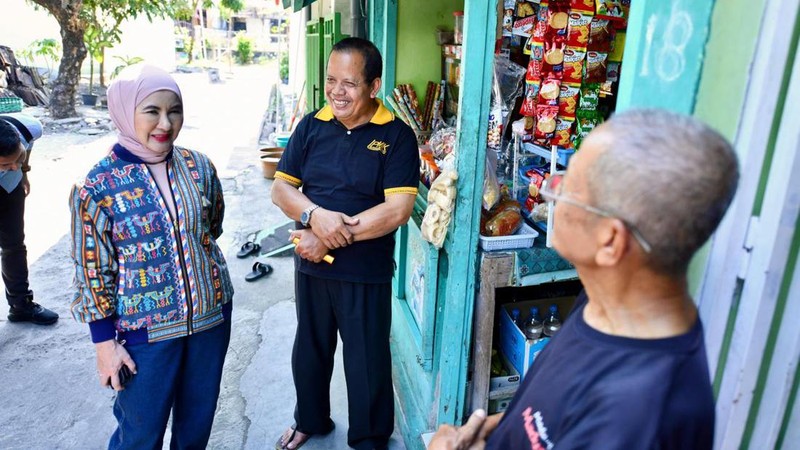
(381, 117)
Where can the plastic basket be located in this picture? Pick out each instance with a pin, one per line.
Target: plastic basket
(10, 104)
(523, 238)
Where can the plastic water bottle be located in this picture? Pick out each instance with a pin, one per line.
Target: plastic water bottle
(534, 325)
(515, 316)
(553, 322)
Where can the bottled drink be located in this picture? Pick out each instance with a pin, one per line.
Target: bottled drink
(515, 316)
(553, 322)
(533, 325)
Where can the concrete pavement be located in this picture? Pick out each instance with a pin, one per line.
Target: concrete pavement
(49, 391)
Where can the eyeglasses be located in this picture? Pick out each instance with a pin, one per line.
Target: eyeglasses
(551, 192)
(331, 83)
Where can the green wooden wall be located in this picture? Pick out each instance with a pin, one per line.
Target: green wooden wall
(418, 54)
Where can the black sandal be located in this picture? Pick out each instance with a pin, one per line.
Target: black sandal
(260, 270)
(248, 248)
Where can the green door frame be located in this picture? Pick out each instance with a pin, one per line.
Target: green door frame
(664, 28)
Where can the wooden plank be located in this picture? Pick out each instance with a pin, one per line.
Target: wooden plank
(483, 328)
(664, 55)
(780, 378)
(764, 276)
(457, 301)
(717, 288)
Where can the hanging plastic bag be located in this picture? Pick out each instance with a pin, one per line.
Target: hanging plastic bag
(491, 187)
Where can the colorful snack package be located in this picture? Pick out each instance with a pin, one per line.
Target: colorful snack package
(534, 72)
(611, 8)
(554, 58)
(523, 27)
(573, 65)
(601, 35)
(558, 18)
(579, 25)
(612, 71)
(525, 9)
(549, 92)
(582, 6)
(528, 107)
(586, 122)
(568, 100)
(563, 133)
(529, 124)
(618, 47)
(590, 95)
(596, 67)
(545, 122)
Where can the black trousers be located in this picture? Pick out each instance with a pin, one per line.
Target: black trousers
(13, 254)
(362, 314)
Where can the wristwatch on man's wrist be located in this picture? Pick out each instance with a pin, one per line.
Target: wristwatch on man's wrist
(305, 217)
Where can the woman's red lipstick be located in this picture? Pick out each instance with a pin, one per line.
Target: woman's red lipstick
(160, 137)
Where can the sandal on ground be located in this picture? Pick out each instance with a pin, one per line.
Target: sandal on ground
(248, 248)
(281, 445)
(260, 270)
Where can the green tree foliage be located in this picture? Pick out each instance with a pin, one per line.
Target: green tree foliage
(101, 20)
(244, 49)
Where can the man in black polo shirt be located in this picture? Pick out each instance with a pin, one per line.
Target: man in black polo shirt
(359, 168)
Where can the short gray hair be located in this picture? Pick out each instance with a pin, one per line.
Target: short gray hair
(670, 175)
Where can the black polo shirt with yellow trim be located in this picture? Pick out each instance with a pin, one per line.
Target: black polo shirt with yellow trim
(351, 171)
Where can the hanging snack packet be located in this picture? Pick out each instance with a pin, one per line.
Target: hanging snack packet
(578, 34)
(611, 8)
(525, 9)
(545, 122)
(554, 58)
(590, 95)
(568, 100)
(534, 72)
(601, 35)
(549, 92)
(563, 133)
(582, 6)
(596, 67)
(528, 107)
(618, 47)
(558, 18)
(586, 122)
(573, 65)
(523, 27)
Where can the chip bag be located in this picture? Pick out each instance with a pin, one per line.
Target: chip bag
(601, 35)
(549, 92)
(579, 25)
(582, 6)
(553, 61)
(563, 133)
(528, 107)
(568, 99)
(596, 67)
(574, 60)
(611, 8)
(590, 95)
(545, 121)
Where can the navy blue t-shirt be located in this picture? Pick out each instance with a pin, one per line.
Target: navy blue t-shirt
(351, 171)
(588, 389)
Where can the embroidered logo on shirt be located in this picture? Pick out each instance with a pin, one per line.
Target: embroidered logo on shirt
(378, 146)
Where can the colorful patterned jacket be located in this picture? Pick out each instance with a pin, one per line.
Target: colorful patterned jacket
(139, 276)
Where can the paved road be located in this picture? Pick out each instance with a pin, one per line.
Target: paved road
(49, 393)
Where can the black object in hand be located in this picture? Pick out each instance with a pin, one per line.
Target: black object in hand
(125, 375)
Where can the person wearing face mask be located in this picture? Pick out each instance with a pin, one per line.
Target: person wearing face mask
(150, 279)
(17, 133)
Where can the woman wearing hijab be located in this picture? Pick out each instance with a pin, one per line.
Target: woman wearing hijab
(151, 281)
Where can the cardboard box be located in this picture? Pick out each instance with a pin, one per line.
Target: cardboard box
(519, 351)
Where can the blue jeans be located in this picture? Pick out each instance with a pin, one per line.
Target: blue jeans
(180, 375)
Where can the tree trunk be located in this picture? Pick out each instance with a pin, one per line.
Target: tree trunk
(67, 14)
(102, 68)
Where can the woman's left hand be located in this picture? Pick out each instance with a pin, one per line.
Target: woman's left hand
(111, 355)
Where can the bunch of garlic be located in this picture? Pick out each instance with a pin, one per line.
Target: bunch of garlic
(441, 200)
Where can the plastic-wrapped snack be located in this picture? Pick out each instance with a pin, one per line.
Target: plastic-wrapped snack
(553, 64)
(590, 94)
(582, 5)
(601, 35)
(596, 67)
(534, 72)
(442, 142)
(568, 99)
(579, 25)
(586, 122)
(563, 133)
(611, 8)
(528, 107)
(545, 121)
(525, 9)
(618, 47)
(539, 212)
(523, 27)
(549, 92)
(574, 60)
(491, 188)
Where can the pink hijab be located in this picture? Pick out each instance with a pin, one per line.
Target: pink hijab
(132, 86)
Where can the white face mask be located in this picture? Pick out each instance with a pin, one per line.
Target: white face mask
(9, 179)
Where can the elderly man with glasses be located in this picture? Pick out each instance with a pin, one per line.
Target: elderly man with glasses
(628, 368)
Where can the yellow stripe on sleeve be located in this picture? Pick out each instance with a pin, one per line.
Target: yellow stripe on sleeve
(296, 182)
(400, 190)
